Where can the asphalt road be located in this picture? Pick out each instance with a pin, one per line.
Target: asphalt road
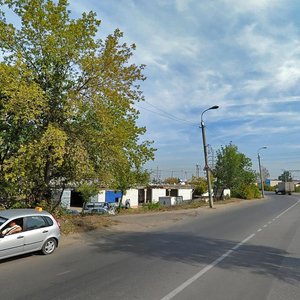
(246, 251)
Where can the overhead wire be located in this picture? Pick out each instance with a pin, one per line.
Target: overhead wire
(164, 114)
(169, 116)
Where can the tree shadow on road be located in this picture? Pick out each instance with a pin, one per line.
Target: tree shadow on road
(197, 250)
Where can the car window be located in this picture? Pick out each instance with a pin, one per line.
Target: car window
(49, 221)
(93, 205)
(2, 220)
(35, 222)
(14, 226)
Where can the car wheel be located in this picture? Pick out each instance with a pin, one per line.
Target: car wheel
(49, 246)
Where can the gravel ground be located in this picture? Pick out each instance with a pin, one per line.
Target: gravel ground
(144, 222)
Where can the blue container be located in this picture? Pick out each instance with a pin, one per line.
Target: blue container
(112, 197)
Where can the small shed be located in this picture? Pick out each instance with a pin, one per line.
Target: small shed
(170, 201)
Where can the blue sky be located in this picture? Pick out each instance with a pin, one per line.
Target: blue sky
(241, 55)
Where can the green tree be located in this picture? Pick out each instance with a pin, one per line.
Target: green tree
(233, 171)
(264, 174)
(286, 176)
(73, 118)
(126, 178)
(87, 191)
(22, 104)
(199, 185)
(172, 180)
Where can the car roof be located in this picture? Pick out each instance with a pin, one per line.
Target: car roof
(22, 212)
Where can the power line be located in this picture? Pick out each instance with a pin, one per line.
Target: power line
(169, 113)
(165, 114)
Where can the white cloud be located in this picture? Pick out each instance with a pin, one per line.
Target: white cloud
(288, 74)
(253, 6)
(240, 55)
(252, 40)
(183, 5)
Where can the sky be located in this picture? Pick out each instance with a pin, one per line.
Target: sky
(243, 56)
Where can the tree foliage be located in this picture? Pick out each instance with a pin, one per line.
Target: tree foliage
(286, 176)
(67, 100)
(199, 185)
(128, 178)
(172, 180)
(233, 171)
(265, 173)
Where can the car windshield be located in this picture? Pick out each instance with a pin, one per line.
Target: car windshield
(2, 220)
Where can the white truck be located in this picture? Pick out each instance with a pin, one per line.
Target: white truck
(285, 188)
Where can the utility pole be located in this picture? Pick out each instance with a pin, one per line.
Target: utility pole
(292, 171)
(260, 174)
(158, 175)
(211, 156)
(211, 204)
(197, 171)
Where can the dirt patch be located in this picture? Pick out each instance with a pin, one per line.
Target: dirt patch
(151, 221)
(84, 223)
(139, 220)
(78, 229)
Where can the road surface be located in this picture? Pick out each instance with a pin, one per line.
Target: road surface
(249, 250)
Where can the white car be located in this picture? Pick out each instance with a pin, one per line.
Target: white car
(37, 230)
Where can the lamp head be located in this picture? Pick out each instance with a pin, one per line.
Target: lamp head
(213, 107)
(261, 148)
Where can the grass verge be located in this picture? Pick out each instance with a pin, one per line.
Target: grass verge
(83, 223)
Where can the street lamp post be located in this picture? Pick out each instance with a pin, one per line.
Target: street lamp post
(260, 174)
(211, 204)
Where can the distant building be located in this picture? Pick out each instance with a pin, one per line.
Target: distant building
(134, 196)
(272, 182)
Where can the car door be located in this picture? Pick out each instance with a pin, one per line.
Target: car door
(11, 245)
(36, 232)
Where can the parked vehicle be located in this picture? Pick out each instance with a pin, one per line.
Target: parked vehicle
(99, 207)
(100, 211)
(89, 206)
(72, 212)
(285, 188)
(39, 231)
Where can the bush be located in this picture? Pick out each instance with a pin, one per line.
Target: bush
(269, 188)
(20, 204)
(247, 192)
(152, 206)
